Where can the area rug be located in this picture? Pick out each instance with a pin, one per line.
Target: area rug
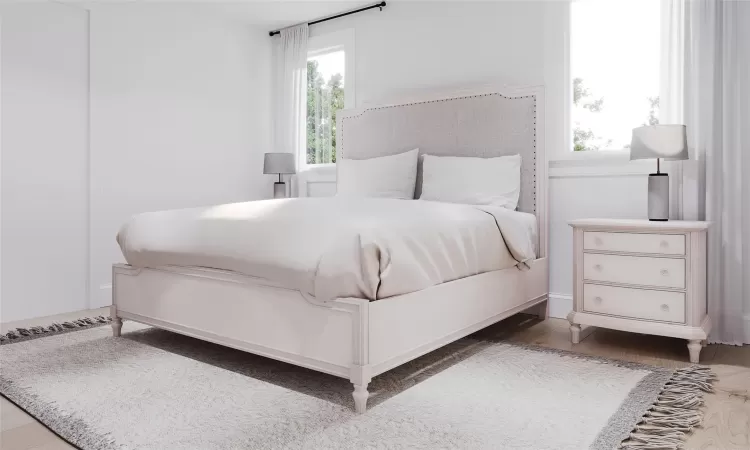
(153, 389)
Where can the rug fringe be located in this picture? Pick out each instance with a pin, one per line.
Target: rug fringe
(675, 413)
(54, 328)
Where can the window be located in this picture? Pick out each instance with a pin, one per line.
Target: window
(329, 89)
(614, 71)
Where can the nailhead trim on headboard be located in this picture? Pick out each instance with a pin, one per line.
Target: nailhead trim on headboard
(376, 108)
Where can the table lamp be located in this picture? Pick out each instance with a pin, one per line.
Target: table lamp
(279, 163)
(661, 142)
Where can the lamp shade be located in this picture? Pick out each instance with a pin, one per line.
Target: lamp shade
(659, 141)
(278, 163)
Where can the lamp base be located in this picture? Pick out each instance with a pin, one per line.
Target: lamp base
(279, 190)
(658, 197)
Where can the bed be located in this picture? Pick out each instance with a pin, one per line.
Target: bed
(331, 303)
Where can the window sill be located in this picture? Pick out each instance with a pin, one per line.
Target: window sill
(596, 155)
(317, 167)
(316, 172)
(615, 163)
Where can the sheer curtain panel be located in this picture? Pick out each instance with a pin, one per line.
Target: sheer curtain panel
(291, 90)
(706, 86)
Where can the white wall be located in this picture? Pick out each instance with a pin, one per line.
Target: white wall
(170, 109)
(44, 82)
(179, 108)
(419, 45)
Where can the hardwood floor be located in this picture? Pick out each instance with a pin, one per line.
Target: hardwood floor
(727, 412)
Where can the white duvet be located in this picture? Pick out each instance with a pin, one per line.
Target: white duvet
(336, 247)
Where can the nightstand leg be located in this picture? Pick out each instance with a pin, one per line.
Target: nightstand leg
(575, 333)
(695, 347)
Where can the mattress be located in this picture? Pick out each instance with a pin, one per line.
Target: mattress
(336, 247)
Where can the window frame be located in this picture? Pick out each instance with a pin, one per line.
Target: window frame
(320, 45)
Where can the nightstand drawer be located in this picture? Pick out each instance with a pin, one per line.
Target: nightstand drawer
(640, 270)
(663, 306)
(661, 244)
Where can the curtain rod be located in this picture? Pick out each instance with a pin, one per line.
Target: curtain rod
(380, 5)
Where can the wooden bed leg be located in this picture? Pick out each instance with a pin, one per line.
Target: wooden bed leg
(575, 333)
(360, 395)
(116, 322)
(116, 326)
(360, 378)
(541, 310)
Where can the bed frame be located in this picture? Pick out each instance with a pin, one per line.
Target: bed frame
(350, 337)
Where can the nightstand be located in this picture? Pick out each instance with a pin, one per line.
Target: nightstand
(641, 276)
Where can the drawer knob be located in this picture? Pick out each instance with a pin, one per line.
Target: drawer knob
(598, 299)
(664, 272)
(598, 241)
(664, 244)
(598, 267)
(665, 307)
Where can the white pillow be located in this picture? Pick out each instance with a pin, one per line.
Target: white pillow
(386, 177)
(474, 181)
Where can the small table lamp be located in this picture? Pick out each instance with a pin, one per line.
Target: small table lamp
(279, 163)
(661, 142)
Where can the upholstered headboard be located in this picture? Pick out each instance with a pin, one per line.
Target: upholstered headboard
(482, 125)
(484, 122)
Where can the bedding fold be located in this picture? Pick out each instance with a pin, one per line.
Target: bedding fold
(336, 247)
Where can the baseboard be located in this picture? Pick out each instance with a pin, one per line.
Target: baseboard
(102, 297)
(560, 305)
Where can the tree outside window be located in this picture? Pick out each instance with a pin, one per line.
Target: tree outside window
(325, 97)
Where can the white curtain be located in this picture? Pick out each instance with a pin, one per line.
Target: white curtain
(671, 93)
(710, 70)
(290, 98)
